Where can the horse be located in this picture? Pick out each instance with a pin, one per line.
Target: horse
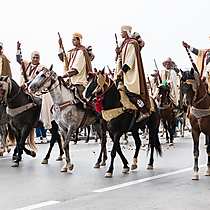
(198, 100)
(121, 120)
(24, 111)
(69, 114)
(166, 108)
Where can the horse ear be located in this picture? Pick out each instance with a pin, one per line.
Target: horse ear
(192, 71)
(103, 71)
(51, 67)
(181, 71)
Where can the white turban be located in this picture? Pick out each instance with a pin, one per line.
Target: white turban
(77, 35)
(127, 28)
(35, 53)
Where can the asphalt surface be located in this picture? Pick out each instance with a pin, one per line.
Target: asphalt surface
(167, 187)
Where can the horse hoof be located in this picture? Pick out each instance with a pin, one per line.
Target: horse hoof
(63, 170)
(97, 165)
(103, 164)
(1, 154)
(59, 158)
(207, 173)
(71, 167)
(195, 177)
(14, 158)
(9, 150)
(108, 175)
(149, 167)
(125, 170)
(171, 144)
(45, 161)
(15, 165)
(33, 154)
(133, 167)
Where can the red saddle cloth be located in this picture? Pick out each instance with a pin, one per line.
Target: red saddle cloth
(98, 104)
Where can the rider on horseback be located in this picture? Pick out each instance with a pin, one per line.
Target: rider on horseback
(79, 65)
(130, 68)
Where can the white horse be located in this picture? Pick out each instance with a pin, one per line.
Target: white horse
(68, 114)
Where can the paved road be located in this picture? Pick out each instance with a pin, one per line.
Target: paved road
(167, 187)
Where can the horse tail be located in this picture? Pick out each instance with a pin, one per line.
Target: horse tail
(31, 140)
(153, 125)
(11, 135)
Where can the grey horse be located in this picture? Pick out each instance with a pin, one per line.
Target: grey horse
(68, 114)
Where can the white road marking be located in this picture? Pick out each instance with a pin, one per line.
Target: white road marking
(5, 158)
(39, 205)
(115, 187)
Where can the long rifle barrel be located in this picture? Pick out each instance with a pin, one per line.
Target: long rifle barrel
(191, 60)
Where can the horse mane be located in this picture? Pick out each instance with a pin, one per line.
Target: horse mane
(62, 82)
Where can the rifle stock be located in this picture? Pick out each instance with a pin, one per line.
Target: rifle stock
(158, 71)
(66, 62)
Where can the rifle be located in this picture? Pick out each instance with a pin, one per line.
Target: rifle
(22, 64)
(193, 64)
(157, 71)
(150, 86)
(116, 41)
(66, 62)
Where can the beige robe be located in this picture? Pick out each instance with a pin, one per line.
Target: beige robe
(77, 61)
(5, 66)
(174, 81)
(131, 77)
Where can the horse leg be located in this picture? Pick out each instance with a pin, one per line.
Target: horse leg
(195, 135)
(113, 155)
(88, 135)
(137, 140)
(68, 166)
(165, 126)
(208, 163)
(171, 129)
(101, 131)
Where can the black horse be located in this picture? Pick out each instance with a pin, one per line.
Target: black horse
(24, 111)
(167, 112)
(123, 122)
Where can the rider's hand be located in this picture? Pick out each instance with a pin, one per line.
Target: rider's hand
(117, 50)
(185, 45)
(18, 45)
(24, 86)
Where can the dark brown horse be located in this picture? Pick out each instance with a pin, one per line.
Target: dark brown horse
(122, 120)
(166, 108)
(196, 96)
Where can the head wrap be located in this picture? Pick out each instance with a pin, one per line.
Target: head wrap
(127, 28)
(77, 35)
(35, 53)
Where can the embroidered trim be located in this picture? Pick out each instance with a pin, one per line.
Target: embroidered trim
(19, 110)
(199, 113)
(110, 114)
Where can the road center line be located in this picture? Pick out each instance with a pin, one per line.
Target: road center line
(39, 205)
(115, 187)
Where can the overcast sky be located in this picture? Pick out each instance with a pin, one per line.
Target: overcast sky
(163, 24)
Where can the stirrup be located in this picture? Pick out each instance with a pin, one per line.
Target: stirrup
(142, 117)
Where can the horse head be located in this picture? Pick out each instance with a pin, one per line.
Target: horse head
(5, 88)
(98, 83)
(190, 82)
(163, 93)
(43, 81)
